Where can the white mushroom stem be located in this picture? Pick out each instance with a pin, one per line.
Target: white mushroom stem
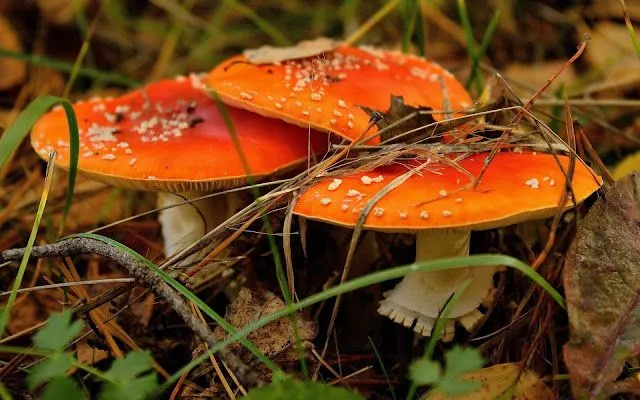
(419, 297)
(184, 225)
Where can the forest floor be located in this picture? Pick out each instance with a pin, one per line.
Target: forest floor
(562, 322)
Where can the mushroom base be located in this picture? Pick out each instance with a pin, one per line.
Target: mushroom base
(185, 224)
(417, 300)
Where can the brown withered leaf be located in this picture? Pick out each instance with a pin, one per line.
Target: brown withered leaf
(537, 74)
(602, 284)
(272, 339)
(304, 49)
(33, 308)
(502, 381)
(612, 52)
(14, 71)
(89, 355)
(396, 112)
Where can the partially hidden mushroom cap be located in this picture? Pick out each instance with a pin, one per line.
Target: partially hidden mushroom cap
(170, 136)
(515, 187)
(327, 91)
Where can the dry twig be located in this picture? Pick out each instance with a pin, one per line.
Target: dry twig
(145, 277)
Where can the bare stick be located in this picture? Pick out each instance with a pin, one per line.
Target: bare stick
(145, 277)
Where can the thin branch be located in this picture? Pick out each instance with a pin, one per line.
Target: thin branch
(145, 277)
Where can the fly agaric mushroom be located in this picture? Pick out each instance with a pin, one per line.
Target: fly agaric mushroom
(438, 207)
(170, 137)
(328, 91)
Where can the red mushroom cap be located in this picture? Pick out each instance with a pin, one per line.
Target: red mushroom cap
(170, 136)
(327, 91)
(515, 187)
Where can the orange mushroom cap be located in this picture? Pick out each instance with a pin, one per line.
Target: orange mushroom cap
(327, 91)
(170, 136)
(515, 187)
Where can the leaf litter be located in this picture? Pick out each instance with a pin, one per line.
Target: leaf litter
(276, 339)
(602, 284)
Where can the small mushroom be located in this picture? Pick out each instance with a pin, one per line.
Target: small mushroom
(170, 137)
(438, 206)
(328, 91)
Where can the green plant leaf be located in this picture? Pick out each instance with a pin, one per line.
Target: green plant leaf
(54, 366)
(127, 381)
(459, 361)
(425, 372)
(134, 363)
(58, 332)
(135, 389)
(63, 388)
(300, 390)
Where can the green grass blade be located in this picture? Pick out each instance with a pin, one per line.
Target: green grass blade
(420, 31)
(6, 311)
(484, 45)
(468, 34)
(77, 64)
(83, 25)
(439, 328)
(12, 138)
(444, 316)
(381, 276)
(466, 27)
(4, 393)
(273, 247)
(557, 111)
(383, 368)
(186, 293)
(280, 274)
(632, 32)
(371, 22)
(410, 15)
(264, 25)
(398, 272)
(74, 151)
(58, 65)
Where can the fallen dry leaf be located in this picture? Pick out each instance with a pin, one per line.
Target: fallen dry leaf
(397, 111)
(33, 308)
(628, 164)
(14, 71)
(536, 76)
(143, 308)
(611, 9)
(273, 338)
(89, 355)
(602, 284)
(611, 51)
(304, 49)
(502, 381)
